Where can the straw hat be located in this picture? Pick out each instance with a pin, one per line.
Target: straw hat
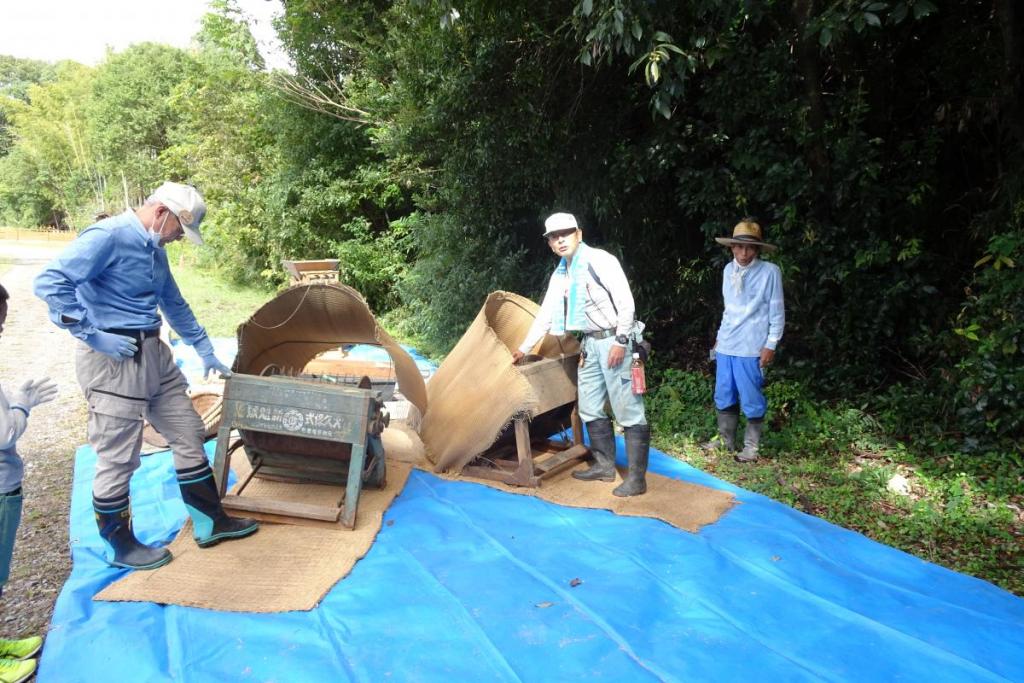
(746, 232)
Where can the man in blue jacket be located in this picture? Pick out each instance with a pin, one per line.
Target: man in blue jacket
(752, 324)
(106, 288)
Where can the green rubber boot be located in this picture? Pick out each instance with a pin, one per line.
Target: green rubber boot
(210, 524)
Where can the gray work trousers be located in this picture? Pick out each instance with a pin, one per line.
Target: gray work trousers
(122, 394)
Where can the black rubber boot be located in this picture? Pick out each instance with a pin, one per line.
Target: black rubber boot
(210, 524)
(751, 440)
(602, 447)
(638, 444)
(727, 421)
(114, 519)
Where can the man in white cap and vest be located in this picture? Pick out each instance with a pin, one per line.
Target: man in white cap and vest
(752, 324)
(105, 288)
(588, 293)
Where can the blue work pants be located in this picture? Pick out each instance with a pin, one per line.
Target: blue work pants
(739, 379)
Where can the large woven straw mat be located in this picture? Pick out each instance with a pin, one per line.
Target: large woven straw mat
(206, 403)
(477, 391)
(307, 319)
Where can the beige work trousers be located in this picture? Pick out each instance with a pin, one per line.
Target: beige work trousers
(122, 394)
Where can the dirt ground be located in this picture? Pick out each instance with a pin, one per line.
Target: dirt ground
(31, 347)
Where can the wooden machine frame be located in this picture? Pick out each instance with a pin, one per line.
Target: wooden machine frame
(554, 382)
(292, 407)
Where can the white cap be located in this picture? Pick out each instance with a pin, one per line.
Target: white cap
(560, 221)
(186, 203)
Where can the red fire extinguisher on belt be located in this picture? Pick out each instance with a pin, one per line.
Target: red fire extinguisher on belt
(636, 371)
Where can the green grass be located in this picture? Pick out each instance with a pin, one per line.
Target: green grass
(835, 461)
(219, 305)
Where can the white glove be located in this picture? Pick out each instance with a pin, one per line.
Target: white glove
(211, 363)
(33, 393)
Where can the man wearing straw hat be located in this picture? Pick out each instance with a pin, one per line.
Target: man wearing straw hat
(105, 288)
(751, 328)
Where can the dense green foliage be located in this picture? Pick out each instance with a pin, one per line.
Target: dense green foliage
(422, 142)
(834, 460)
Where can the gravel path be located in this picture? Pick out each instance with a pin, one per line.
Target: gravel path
(32, 347)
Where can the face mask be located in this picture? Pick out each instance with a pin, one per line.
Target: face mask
(155, 235)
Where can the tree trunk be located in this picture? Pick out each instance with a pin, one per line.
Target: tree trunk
(808, 63)
(1011, 24)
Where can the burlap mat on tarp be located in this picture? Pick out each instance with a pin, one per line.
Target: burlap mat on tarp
(683, 505)
(280, 568)
(290, 330)
(477, 391)
(285, 567)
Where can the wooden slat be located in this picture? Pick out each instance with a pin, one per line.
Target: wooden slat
(550, 464)
(524, 472)
(280, 507)
(295, 521)
(577, 424)
(349, 367)
(484, 473)
(553, 381)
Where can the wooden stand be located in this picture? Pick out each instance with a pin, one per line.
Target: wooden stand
(296, 408)
(554, 382)
(310, 271)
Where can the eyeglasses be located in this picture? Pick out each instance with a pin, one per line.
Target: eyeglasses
(553, 236)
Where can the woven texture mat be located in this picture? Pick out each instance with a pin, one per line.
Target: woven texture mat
(683, 505)
(285, 567)
(477, 391)
(288, 567)
(292, 328)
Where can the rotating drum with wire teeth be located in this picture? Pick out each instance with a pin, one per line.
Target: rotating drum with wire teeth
(289, 336)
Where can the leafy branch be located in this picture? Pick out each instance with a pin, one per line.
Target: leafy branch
(325, 96)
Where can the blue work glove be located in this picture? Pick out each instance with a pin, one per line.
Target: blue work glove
(211, 363)
(117, 346)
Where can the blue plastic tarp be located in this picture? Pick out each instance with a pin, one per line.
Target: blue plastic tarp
(465, 582)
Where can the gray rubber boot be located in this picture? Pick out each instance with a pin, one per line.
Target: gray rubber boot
(602, 447)
(751, 441)
(638, 446)
(727, 421)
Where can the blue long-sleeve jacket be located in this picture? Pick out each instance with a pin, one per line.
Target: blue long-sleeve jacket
(755, 315)
(113, 276)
